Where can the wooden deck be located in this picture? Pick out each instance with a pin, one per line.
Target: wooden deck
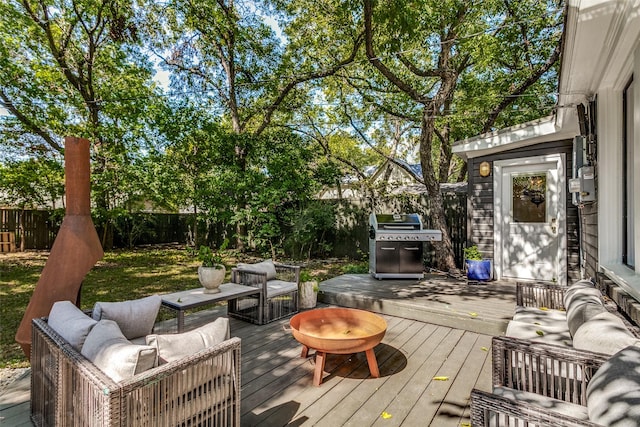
(414, 357)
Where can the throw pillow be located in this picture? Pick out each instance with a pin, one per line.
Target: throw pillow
(603, 333)
(114, 355)
(580, 291)
(579, 313)
(266, 266)
(172, 347)
(70, 323)
(613, 394)
(135, 318)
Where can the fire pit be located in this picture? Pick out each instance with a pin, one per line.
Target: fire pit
(338, 331)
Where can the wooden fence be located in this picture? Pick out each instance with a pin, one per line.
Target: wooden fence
(349, 236)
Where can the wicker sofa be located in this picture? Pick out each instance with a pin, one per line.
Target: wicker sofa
(576, 316)
(67, 389)
(278, 296)
(550, 385)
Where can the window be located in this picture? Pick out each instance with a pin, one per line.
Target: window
(529, 194)
(629, 250)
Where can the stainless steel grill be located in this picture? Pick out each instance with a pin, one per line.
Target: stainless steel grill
(396, 245)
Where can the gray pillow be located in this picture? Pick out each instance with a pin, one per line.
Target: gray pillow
(172, 347)
(266, 266)
(613, 394)
(114, 355)
(580, 292)
(603, 333)
(579, 313)
(70, 323)
(135, 317)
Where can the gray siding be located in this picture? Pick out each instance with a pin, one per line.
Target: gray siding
(480, 209)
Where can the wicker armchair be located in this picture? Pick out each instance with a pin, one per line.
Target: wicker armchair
(558, 374)
(277, 298)
(68, 390)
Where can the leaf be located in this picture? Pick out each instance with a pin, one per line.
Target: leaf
(465, 424)
(539, 332)
(484, 349)
(472, 314)
(544, 308)
(441, 378)
(385, 415)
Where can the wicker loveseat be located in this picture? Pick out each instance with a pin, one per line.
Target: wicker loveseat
(278, 296)
(549, 385)
(67, 389)
(576, 316)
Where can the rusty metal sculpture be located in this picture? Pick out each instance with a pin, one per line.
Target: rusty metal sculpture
(76, 248)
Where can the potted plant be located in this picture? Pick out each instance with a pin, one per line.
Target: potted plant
(308, 291)
(212, 271)
(477, 267)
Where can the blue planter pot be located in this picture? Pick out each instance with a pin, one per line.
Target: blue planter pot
(478, 270)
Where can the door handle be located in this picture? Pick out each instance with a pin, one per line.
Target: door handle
(412, 249)
(388, 249)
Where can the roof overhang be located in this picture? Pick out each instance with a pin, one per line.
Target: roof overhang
(546, 129)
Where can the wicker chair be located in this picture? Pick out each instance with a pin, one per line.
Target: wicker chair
(68, 390)
(557, 373)
(277, 298)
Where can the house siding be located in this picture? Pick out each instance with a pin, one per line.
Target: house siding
(480, 208)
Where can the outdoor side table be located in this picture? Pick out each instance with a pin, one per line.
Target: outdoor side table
(192, 298)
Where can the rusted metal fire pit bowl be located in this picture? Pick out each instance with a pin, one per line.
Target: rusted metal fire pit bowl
(338, 331)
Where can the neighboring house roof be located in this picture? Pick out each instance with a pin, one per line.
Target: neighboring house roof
(445, 188)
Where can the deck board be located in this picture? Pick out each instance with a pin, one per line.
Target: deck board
(277, 383)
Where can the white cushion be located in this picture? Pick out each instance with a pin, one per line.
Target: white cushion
(582, 312)
(536, 316)
(135, 317)
(114, 355)
(559, 406)
(280, 287)
(580, 291)
(604, 333)
(177, 346)
(558, 335)
(266, 266)
(613, 394)
(70, 323)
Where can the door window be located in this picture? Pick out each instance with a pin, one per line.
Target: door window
(529, 193)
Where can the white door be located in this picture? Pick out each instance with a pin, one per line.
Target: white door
(530, 228)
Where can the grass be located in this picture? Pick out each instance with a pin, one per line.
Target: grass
(119, 276)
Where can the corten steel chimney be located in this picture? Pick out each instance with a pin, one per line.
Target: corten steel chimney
(76, 248)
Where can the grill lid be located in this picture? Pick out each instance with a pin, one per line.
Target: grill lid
(396, 221)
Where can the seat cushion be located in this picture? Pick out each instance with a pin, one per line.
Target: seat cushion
(172, 347)
(558, 406)
(603, 333)
(135, 318)
(558, 335)
(280, 287)
(266, 266)
(70, 323)
(613, 394)
(114, 355)
(536, 316)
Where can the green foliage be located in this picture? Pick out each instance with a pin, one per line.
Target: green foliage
(31, 183)
(357, 268)
(472, 253)
(312, 227)
(210, 258)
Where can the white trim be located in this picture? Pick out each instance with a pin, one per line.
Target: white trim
(498, 245)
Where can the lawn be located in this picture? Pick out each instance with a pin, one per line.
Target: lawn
(119, 276)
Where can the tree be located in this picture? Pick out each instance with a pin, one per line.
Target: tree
(31, 184)
(76, 68)
(455, 69)
(227, 58)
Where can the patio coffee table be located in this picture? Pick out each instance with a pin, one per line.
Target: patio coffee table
(185, 300)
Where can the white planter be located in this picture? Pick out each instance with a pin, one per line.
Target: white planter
(211, 278)
(307, 296)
